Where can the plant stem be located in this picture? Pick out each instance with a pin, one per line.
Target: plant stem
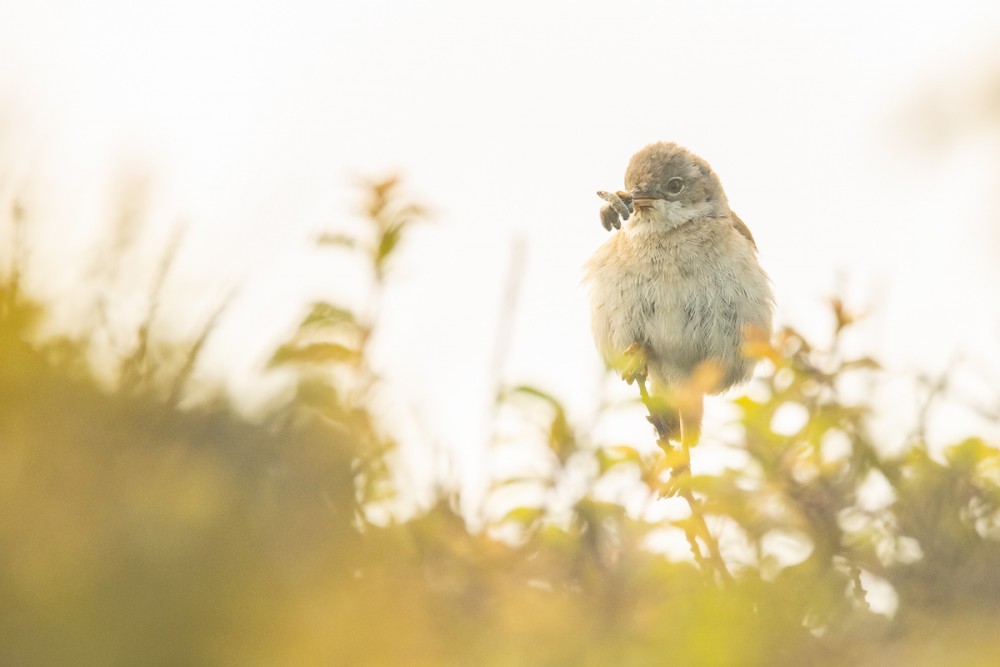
(679, 466)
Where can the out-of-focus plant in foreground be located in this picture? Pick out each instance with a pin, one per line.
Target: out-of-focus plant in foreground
(136, 528)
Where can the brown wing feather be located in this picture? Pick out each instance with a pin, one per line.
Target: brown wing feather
(743, 229)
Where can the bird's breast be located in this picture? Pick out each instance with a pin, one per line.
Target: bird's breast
(685, 294)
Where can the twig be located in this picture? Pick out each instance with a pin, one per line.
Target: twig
(937, 388)
(679, 465)
(859, 590)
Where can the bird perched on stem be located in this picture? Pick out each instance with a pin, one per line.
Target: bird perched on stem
(677, 292)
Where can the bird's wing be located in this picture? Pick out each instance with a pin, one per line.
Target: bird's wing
(743, 229)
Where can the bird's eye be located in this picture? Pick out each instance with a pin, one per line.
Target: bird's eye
(675, 185)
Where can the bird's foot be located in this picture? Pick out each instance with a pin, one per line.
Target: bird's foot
(634, 368)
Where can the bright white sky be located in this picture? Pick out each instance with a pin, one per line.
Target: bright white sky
(254, 116)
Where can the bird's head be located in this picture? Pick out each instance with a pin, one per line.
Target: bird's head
(671, 184)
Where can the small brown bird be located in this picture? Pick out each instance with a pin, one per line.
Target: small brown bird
(678, 291)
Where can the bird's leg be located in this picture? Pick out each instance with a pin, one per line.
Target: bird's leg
(691, 408)
(676, 416)
(662, 415)
(665, 419)
(634, 364)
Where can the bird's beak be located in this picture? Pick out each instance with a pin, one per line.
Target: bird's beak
(642, 199)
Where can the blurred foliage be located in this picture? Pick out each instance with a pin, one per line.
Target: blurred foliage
(140, 529)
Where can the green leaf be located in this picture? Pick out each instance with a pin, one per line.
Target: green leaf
(970, 453)
(534, 392)
(388, 242)
(313, 353)
(592, 511)
(324, 315)
(561, 437)
(609, 457)
(863, 362)
(338, 240)
(525, 516)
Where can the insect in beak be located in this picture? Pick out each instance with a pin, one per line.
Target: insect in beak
(642, 200)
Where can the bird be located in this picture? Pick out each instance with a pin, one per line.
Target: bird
(677, 292)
